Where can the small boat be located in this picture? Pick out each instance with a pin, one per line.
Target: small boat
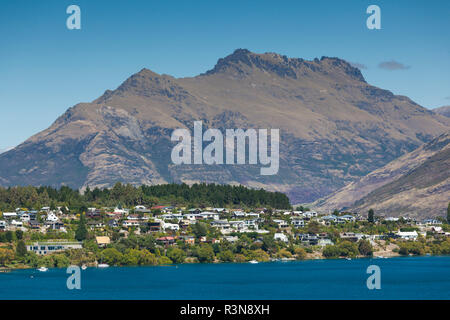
(83, 267)
(103, 265)
(348, 258)
(43, 269)
(253, 261)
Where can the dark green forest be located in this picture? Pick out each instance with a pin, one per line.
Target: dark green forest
(197, 195)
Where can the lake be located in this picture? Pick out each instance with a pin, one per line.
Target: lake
(401, 278)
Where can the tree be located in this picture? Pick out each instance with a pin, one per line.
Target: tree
(176, 255)
(300, 253)
(6, 256)
(371, 217)
(19, 234)
(199, 229)
(313, 227)
(205, 254)
(21, 249)
(111, 256)
(81, 232)
(365, 248)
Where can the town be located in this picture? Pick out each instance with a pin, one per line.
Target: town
(162, 234)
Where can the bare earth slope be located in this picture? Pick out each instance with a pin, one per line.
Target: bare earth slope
(416, 184)
(334, 127)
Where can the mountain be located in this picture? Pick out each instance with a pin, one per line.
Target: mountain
(416, 184)
(334, 128)
(445, 111)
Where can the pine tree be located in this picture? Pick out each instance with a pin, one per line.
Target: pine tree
(81, 232)
(21, 249)
(371, 218)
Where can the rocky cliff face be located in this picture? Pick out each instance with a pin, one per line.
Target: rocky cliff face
(334, 128)
(416, 184)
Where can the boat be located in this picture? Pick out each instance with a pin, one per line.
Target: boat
(43, 269)
(253, 261)
(83, 267)
(103, 265)
(348, 258)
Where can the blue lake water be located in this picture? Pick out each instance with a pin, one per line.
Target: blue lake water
(401, 278)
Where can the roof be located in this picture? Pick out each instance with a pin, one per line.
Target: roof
(103, 240)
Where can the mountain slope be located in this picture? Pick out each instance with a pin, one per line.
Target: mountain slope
(444, 111)
(416, 184)
(334, 127)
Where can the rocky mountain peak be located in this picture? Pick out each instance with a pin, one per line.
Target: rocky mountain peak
(244, 62)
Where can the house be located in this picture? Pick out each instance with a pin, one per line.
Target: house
(298, 223)
(209, 215)
(432, 222)
(93, 213)
(351, 236)
(188, 239)
(55, 225)
(34, 225)
(237, 225)
(96, 224)
(16, 224)
(154, 226)
(3, 225)
(281, 223)
(51, 217)
(222, 225)
(280, 237)
(309, 214)
(120, 211)
(112, 223)
(166, 240)
(25, 217)
(324, 242)
(329, 219)
(392, 219)
(172, 216)
(251, 223)
(231, 239)
(407, 235)
(142, 209)
(130, 223)
(347, 218)
(171, 226)
(309, 239)
(9, 215)
(42, 248)
(102, 241)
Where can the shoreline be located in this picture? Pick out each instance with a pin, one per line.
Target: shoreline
(6, 270)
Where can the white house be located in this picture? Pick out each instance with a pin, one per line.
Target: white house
(52, 217)
(171, 226)
(298, 223)
(408, 235)
(280, 237)
(9, 215)
(281, 223)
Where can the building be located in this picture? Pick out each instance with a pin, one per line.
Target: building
(43, 248)
(280, 237)
(102, 241)
(408, 235)
(9, 215)
(298, 223)
(281, 223)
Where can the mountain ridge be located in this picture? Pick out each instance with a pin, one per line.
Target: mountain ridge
(334, 126)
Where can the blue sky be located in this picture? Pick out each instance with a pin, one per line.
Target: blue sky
(46, 68)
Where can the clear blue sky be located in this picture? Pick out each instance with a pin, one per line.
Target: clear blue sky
(46, 68)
